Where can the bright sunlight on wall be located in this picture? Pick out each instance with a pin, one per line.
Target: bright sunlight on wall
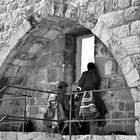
(87, 52)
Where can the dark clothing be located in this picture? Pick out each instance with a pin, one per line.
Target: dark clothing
(64, 100)
(88, 80)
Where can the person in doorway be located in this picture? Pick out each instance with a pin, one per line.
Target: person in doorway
(90, 80)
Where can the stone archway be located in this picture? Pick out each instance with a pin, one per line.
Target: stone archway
(80, 13)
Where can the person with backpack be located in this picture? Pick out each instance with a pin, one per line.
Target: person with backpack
(90, 80)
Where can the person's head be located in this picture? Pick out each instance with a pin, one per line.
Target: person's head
(63, 86)
(90, 66)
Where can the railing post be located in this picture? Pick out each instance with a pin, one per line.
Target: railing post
(70, 116)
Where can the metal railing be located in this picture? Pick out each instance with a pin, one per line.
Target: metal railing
(70, 121)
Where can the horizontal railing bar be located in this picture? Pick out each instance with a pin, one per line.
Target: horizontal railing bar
(27, 88)
(95, 120)
(13, 98)
(72, 93)
(27, 118)
(100, 90)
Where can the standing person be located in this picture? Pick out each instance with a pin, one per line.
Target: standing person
(90, 80)
(58, 108)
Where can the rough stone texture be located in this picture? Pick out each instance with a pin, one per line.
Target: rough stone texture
(122, 31)
(132, 40)
(119, 102)
(123, 3)
(116, 24)
(41, 135)
(135, 28)
(132, 13)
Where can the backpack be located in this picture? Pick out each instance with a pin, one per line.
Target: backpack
(88, 108)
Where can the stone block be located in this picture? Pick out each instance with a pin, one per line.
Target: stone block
(123, 3)
(135, 28)
(11, 71)
(132, 40)
(129, 106)
(110, 106)
(52, 34)
(106, 34)
(135, 94)
(100, 50)
(133, 49)
(121, 106)
(3, 9)
(113, 42)
(100, 7)
(116, 18)
(2, 2)
(116, 81)
(111, 67)
(97, 30)
(127, 65)
(52, 75)
(117, 115)
(104, 83)
(33, 110)
(132, 13)
(91, 6)
(57, 58)
(12, 6)
(132, 76)
(44, 60)
(131, 114)
(122, 31)
(135, 2)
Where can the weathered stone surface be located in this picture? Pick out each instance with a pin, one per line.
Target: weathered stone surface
(115, 18)
(122, 31)
(33, 110)
(12, 70)
(135, 27)
(117, 115)
(110, 67)
(100, 7)
(44, 60)
(129, 106)
(52, 75)
(97, 30)
(132, 40)
(52, 34)
(123, 3)
(12, 6)
(113, 43)
(3, 9)
(116, 82)
(132, 13)
(127, 65)
(132, 77)
(2, 2)
(106, 35)
(133, 49)
(135, 94)
(135, 2)
(57, 58)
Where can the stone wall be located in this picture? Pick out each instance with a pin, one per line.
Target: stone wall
(114, 22)
(120, 103)
(44, 136)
